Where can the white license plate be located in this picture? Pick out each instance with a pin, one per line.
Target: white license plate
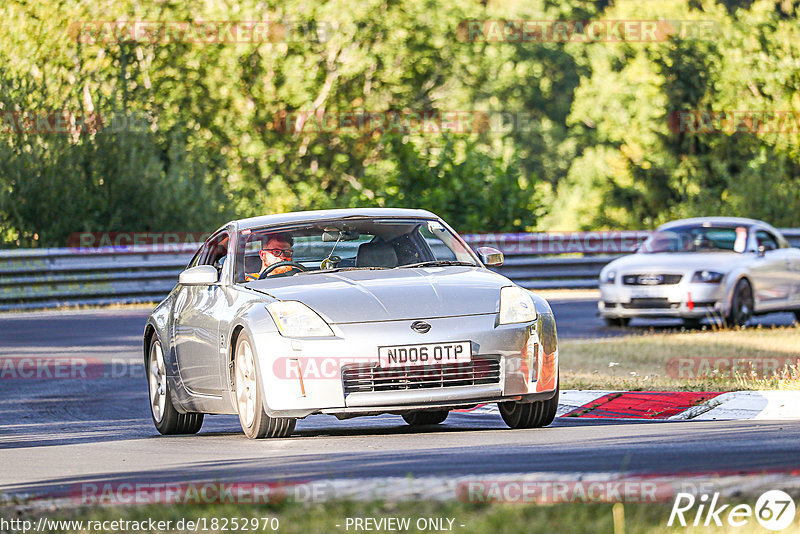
(425, 354)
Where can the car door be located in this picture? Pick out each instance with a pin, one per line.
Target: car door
(196, 319)
(771, 273)
(792, 256)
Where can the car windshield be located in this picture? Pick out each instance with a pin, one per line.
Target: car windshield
(697, 238)
(347, 244)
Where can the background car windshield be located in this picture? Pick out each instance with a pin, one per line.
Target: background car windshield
(697, 239)
(350, 244)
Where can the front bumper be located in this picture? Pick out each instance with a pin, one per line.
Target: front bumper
(301, 377)
(684, 300)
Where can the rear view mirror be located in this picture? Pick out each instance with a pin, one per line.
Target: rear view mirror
(331, 236)
(200, 275)
(491, 257)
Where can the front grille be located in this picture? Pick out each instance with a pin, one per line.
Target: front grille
(369, 377)
(641, 304)
(651, 279)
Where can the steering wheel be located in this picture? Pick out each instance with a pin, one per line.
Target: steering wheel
(292, 264)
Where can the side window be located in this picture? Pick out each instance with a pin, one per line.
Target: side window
(439, 249)
(215, 251)
(766, 240)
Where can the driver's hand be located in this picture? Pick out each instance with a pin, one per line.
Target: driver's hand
(281, 270)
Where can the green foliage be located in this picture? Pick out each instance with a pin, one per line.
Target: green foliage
(654, 170)
(590, 143)
(476, 190)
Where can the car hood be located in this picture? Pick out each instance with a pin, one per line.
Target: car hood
(678, 261)
(392, 294)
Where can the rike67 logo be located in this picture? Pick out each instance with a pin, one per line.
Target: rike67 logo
(774, 510)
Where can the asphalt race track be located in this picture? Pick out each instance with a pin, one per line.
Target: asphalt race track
(58, 433)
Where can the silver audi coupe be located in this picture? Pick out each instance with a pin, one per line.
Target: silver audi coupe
(349, 313)
(723, 268)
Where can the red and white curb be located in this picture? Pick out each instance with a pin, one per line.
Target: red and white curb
(673, 405)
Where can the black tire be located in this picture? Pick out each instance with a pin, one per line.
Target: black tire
(257, 425)
(620, 322)
(165, 417)
(529, 414)
(797, 316)
(741, 305)
(692, 323)
(426, 418)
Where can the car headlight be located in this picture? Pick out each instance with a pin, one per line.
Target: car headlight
(608, 277)
(516, 306)
(295, 319)
(708, 277)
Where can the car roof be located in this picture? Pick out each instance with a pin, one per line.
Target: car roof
(316, 215)
(715, 221)
(727, 221)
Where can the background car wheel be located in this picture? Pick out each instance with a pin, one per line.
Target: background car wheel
(166, 418)
(797, 316)
(529, 414)
(617, 321)
(741, 304)
(692, 324)
(255, 422)
(426, 418)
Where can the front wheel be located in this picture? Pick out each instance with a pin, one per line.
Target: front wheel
(617, 321)
(534, 414)
(692, 323)
(426, 418)
(255, 422)
(797, 316)
(166, 418)
(741, 304)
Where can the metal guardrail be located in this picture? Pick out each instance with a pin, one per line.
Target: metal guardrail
(43, 278)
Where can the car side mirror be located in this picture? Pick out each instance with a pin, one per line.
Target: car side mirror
(200, 275)
(762, 251)
(491, 257)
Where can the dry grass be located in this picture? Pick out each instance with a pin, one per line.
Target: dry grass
(723, 360)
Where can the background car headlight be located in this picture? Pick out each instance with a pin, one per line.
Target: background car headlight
(516, 306)
(608, 277)
(708, 277)
(295, 319)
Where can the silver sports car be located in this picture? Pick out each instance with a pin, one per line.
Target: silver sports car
(723, 268)
(346, 312)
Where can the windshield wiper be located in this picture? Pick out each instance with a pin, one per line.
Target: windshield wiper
(436, 263)
(337, 269)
